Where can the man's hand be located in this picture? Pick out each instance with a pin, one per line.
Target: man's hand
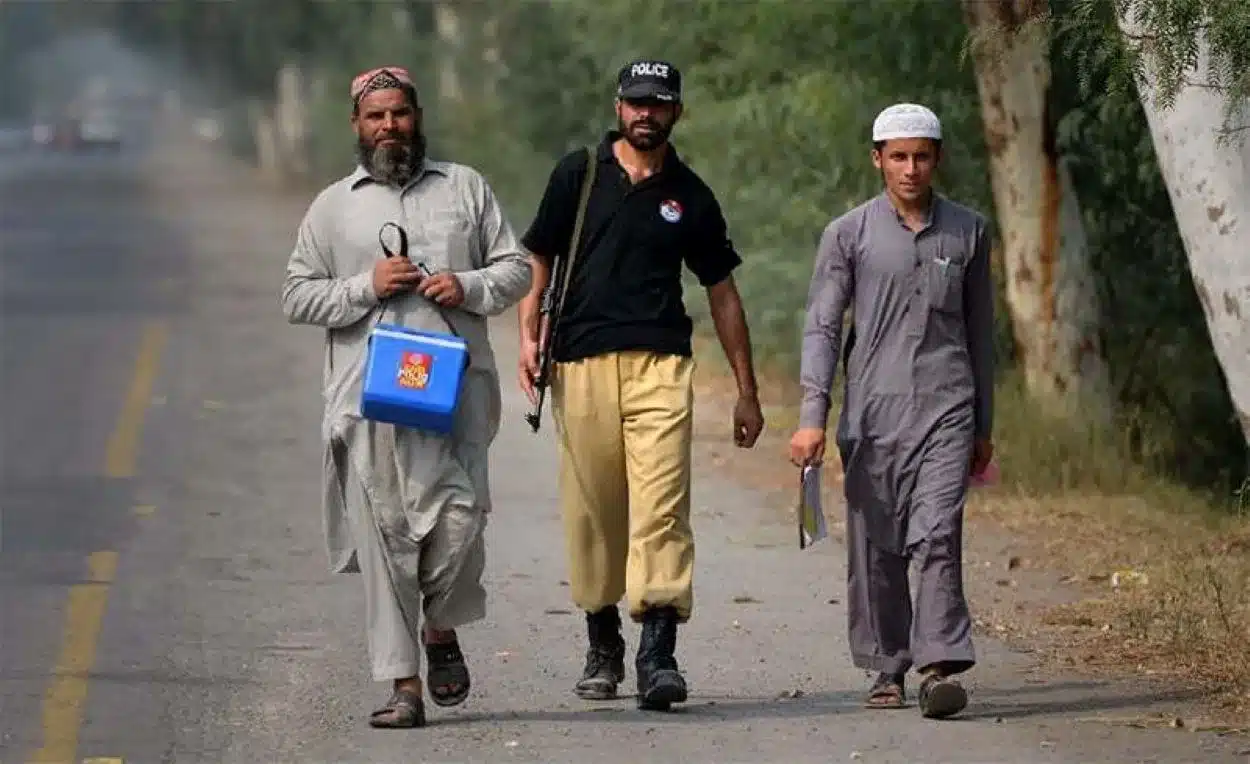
(393, 275)
(982, 455)
(807, 446)
(748, 421)
(527, 369)
(443, 288)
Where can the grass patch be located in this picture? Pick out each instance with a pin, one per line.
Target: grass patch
(1186, 616)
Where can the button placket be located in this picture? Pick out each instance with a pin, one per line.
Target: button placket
(918, 302)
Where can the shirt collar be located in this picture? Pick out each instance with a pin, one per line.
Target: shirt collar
(360, 175)
(931, 216)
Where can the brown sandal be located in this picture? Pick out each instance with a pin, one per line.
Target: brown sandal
(405, 709)
(886, 692)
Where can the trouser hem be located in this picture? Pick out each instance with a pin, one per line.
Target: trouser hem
(638, 612)
(882, 664)
(393, 671)
(956, 663)
(594, 606)
(469, 616)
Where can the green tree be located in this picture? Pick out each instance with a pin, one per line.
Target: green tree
(1167, 47)
(1156, 340)
(24, 27)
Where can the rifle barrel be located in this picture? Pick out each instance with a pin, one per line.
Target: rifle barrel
(548, 306)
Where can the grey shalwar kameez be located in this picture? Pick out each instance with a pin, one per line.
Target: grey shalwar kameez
(404, 508)
(919, 385)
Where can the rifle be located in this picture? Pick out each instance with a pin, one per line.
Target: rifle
(548, 322)
(552, 304)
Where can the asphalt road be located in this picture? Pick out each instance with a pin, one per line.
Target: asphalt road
(163, 587)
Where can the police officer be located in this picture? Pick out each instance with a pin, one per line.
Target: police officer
(622, 394)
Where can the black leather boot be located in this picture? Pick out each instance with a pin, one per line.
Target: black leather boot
(660, 684)
(605, 660)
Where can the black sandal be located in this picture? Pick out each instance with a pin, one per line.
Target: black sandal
(941, 697)
(405, 709)
(887, 692)
(447, 677)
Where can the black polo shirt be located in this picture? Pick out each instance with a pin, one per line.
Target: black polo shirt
(625, 292)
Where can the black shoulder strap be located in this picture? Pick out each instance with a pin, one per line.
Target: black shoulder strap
(588, 183)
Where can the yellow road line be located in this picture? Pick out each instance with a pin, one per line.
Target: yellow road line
(103, 760)
(65, 698)
(122, 453)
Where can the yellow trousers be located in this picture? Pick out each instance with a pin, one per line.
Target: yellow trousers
(624, 422)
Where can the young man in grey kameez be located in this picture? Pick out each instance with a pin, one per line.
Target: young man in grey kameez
(917, 412)
(406, 509)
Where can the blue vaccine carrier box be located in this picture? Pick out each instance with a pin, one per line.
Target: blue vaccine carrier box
(413, 378)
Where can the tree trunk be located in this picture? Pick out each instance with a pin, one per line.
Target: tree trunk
(1209, 184)
(1051, 294)
(450, 38)
(291, 117)
(492, 57)
(265, 138)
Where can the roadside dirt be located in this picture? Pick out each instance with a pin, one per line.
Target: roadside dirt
(1041, 574)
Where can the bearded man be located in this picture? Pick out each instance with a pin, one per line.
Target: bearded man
(404, 508)
(621, 386)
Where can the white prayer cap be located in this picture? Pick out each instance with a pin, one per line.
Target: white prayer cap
(906, 120)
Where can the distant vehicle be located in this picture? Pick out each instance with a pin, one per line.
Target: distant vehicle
(54, 135)
(208, 128)
(42, 134)
(100, 129)
(59, 135)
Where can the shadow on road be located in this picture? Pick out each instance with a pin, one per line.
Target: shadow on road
(700, 710)
(996, 705)
(1073, 697)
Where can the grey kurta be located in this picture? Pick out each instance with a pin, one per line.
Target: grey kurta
(403, 507)
(919, 386)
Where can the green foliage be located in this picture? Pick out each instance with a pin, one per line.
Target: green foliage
(23, 27)
(1164, 41)
(1154, 333)
(780, 98)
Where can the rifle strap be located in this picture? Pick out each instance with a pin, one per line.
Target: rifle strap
(588, 184)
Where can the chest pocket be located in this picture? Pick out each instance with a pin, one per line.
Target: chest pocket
(945, 262)
(444, 237)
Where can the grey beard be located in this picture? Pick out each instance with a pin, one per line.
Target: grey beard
(392, 165)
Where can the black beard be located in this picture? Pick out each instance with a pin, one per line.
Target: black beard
(394, 165)
(645, 141)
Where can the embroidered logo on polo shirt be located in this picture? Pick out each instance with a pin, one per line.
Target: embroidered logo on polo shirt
(670, 210)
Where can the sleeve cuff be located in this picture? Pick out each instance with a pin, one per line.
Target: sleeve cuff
(814, 413)
(474, 288)
(360, 289)
(533, 246)
(720, 271)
